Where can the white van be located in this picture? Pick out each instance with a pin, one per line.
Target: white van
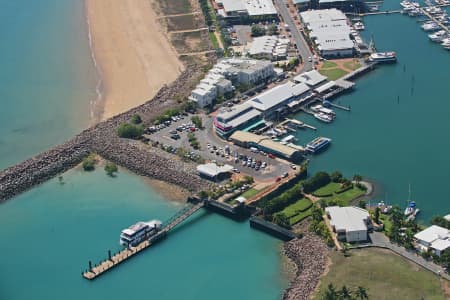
(253, 149)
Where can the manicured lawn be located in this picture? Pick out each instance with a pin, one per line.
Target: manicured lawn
(333, 74)
(297, 207)
(352, 65)
(384, 274)
(214, 41)
(328, 64)
(250, 193)
(328, 189)
(300, 216)
(298, 210)
(343, 199)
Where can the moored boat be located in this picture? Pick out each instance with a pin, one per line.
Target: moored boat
(323, 117)
(438, 36)
(383, 57)
(318, 144)
(139, 232)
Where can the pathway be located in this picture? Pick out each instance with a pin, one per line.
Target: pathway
(179, 15)
(188, 30)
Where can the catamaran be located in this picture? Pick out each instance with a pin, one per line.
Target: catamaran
(138, 232)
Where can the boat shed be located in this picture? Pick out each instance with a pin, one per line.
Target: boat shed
(280, 150)
(349, 223)
(214, 172)
(246, 139)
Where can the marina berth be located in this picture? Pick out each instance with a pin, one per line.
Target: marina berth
(438, 36)
(323, 117)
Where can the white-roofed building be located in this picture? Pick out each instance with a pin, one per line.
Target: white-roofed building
(278, 97)
(235, 118)
(434, 238)
(269, 47)
(252, 8)
(311, 78)
(213, 171)
(330, 31)
(349, 223)
(225, 73)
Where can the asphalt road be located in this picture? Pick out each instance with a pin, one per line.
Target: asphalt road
(302, 46)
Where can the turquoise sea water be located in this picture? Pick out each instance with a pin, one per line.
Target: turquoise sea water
(397, 131)
(47, 76)
(48, 235)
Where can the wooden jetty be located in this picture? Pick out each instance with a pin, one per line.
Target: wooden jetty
(117, 258)
(434, 19)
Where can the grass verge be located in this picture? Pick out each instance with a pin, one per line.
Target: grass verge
(333, 74)
(385, 276)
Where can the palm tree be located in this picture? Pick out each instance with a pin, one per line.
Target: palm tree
(330, 293)
(357, 178)
(345, 293)
(361, 293)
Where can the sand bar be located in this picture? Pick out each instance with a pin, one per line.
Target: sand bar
(134, 57)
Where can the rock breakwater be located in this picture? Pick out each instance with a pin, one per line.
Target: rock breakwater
(102, 139)
(310, 256)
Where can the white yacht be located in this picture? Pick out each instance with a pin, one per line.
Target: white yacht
(438, 36)
(445, 42)
(138, 232)
(383, 57)
(359, 26)
(323, 117)
(430, 26)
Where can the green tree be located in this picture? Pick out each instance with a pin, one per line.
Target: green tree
(357, 178)
(336, 176)
(130, 131)
(281, 219)
(440, 221)
(197, 121)
(272, 30)
(377, 215)
(136, 119)
(111, 169)
(258, 30)
(344, 293)
(89, 162)
(361, 293)
(362, 204)
(330, 293)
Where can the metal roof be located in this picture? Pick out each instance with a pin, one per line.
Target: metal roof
(311, 78)
(325, 87)
(277, 95)
(245, 137)
(234, 111)
(440, 245)
(253, 113)
(349, 218)
(280, 148)
(212, 170)
(233, 5)
(433, 233)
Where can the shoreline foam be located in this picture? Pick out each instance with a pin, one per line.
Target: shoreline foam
(131, 54)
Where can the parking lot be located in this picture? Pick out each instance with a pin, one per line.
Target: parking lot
(257, 164)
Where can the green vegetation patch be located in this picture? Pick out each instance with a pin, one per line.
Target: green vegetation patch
(181, 23)
(299, 206)
(343, 199)
(328, 189)
(352, 65)
(250, 193)
(328, 64)
(333, 74)
(298, 211)
(214, 41)
(170, 7)
(384, 274)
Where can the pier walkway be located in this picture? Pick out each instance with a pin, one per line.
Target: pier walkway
(434, 20)
(114, 260)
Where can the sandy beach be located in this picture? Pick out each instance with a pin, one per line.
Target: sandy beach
(134, 57)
